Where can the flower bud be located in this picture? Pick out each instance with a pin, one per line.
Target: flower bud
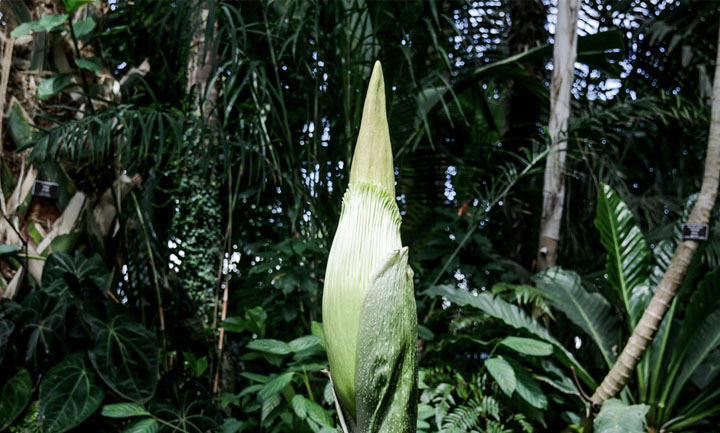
(369, 313)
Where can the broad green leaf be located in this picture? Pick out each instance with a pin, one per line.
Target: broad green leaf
(708, 370)
(82, 28)
(92, 64)
(528, 346)
(145, 425)
(589, 311)
(276, 347)
(124, 410)
(308, 409)
(125, 355)
(14, 396)
(9, 249)
(68, 394)
(53, 85)
(628, 256)
(50, 22)
(527, 387)
(617, 417)
(305, 342)
(25, 29)
(268, 406)
(73, 5)
(386, 384)
(503, 374)
(275, 386)
(513, 316)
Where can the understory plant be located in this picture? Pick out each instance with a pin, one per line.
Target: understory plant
(369, 312)
(678, 377)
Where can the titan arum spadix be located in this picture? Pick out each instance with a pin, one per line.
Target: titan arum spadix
(369, 312)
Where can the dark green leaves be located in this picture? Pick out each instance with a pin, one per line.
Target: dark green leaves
(275, 386)
(68, 395)
(73, 5)
(386, 368)
(503, 374)
(628, 256)
(276, 347)
(44, 324)
(14, 396)
(589, 311)
(126, 356)
(6, 329)
(527, 346)
(63, 272)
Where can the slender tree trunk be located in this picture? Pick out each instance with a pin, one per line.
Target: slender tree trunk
(643, 333)
(564, 54)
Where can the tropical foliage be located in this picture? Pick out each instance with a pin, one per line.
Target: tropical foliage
(170, 278)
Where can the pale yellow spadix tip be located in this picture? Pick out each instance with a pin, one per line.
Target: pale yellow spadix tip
(373, 160)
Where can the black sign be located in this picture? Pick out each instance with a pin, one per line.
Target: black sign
(45, 189)
(695, 232)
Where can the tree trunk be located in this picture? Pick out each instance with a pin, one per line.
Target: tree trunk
(564, 54)
(643, 334)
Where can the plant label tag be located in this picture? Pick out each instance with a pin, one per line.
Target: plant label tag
(45, 189)
(695, 232)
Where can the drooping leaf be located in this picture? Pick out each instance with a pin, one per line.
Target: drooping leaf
(528, 346)
(92, 64)
(125, 355)
(68, 394)
(144, 425)
(276, 347)
(309, 410)
(26, 28)
(82, 28)
(617, 417)
(628, 256)
(386, 386)
(708, 370)
(124, 410)
(53, 85)
(275, 386)
(503, 374)
(513, 316)
(14, 396)
(589, 311)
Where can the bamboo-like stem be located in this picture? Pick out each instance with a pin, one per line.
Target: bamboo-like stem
(643, 333)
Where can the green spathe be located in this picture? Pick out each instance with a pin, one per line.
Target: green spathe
(369, 312)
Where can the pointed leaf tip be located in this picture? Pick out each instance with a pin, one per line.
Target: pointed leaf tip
(373, 159)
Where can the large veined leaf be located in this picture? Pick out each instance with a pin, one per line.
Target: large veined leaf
(14, 396)
(527, 346)
(126, 356)
(527, 388)
(43, 320)
(617, 417)
(513, 316)
(62, 271)
(628, 256)
(708, 370)
(386, 384)
(503, 374)
(192, 412)
(589, 311)
(68, 394)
